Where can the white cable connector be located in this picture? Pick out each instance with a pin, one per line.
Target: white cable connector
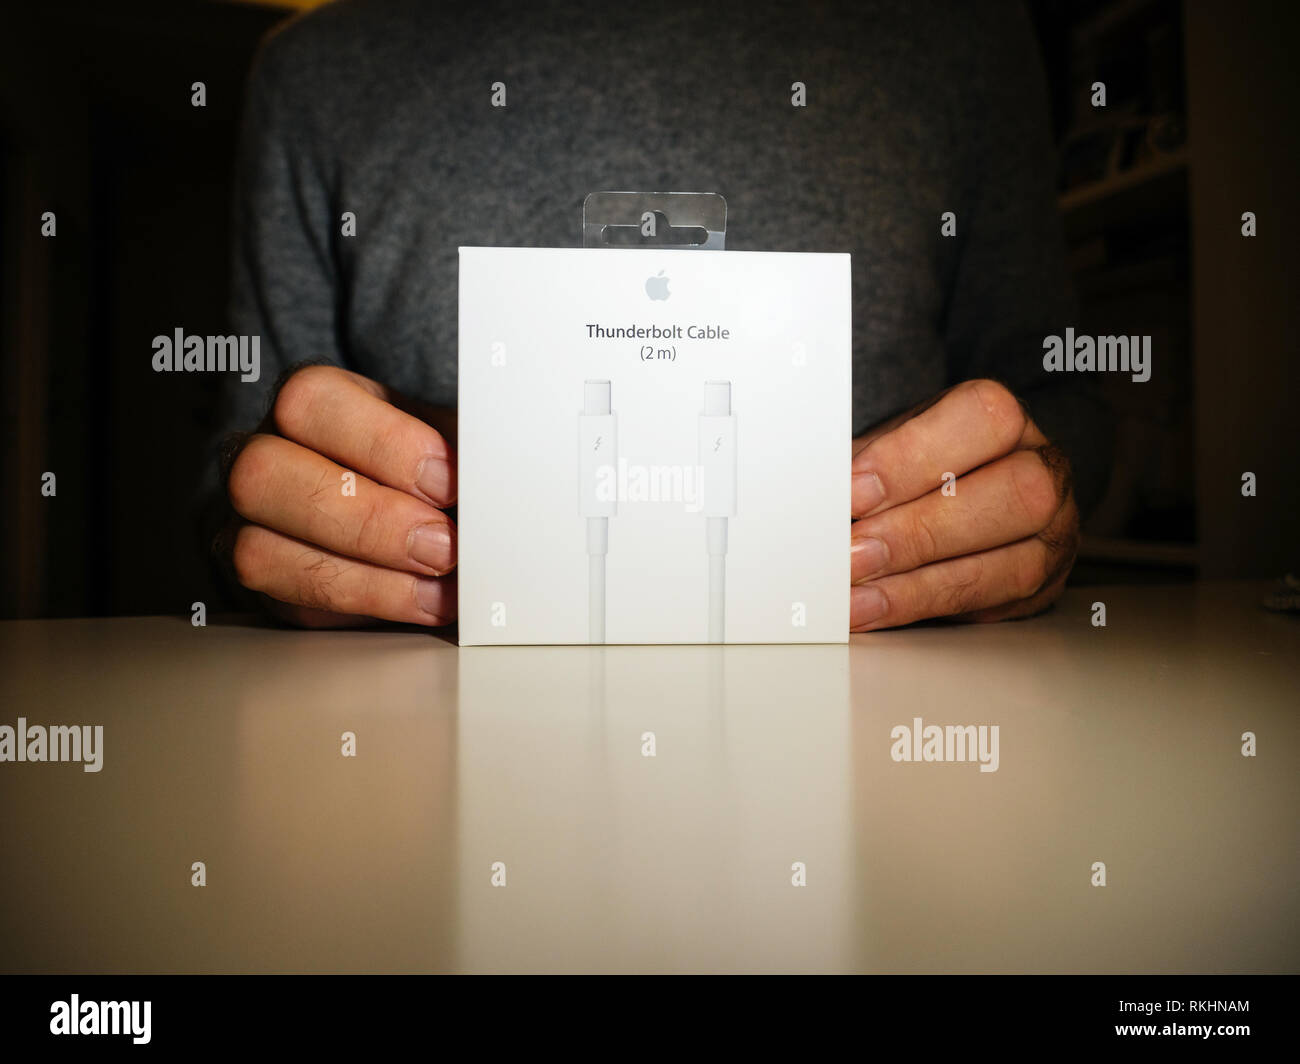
(597, 449)
(718, 462)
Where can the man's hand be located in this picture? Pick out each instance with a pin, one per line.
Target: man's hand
(329, 549)
(998, 546)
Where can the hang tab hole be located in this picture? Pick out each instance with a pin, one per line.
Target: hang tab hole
(666, 235)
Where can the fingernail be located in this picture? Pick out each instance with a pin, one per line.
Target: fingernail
(434, 478)
(868, 556)
(866, 604)
(868, 492)
(431, 545)
(430, 594)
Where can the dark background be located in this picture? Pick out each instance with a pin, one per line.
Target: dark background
(96, 125)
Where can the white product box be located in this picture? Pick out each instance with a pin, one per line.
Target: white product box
(654, 446)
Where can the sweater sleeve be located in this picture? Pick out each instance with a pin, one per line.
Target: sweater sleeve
(283, 280)
(283, 283)
(1011, 287)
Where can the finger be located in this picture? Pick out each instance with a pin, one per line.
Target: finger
(952, 587)
(277, 483)
(441, 418)
(973, 423)
(302, 575)
(1061, 538)
(1004, 501)
(1011, 611)
(876, 431)
(302, 617)
(341, 416)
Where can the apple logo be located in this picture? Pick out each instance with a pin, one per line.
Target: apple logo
(657, 287)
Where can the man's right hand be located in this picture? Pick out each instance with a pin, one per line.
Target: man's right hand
(329, 549)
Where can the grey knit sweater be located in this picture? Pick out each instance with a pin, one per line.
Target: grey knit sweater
(383, 108)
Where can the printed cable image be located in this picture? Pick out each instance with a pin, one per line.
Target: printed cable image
(718, 461)
(597, 448)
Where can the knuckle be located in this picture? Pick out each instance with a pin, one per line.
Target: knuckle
(1051, 591)
(1062, 536)
(1030, 574)
(962, 594)
(957, 599)
(316, 582)
(246, 557)
(368, 594)
(912, 444)
(1057, 464)
(297, 396)
(922, 543)
(369, 537)
(250, 469)
(387, 445)
(1001, 408)
(1036, 490)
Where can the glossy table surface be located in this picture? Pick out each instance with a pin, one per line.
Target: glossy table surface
(224, 745)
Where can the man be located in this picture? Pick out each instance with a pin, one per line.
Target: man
(382, 135)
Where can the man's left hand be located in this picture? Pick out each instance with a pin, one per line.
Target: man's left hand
(962, 509)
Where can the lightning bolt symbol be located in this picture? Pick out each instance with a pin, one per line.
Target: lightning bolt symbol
(716, 444)
(598, 439)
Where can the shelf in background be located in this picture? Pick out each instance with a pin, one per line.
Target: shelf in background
(1138, 552)
(1146, 193)
(1095, 191)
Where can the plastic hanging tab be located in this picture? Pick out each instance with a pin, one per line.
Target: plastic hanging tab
(681, 220)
